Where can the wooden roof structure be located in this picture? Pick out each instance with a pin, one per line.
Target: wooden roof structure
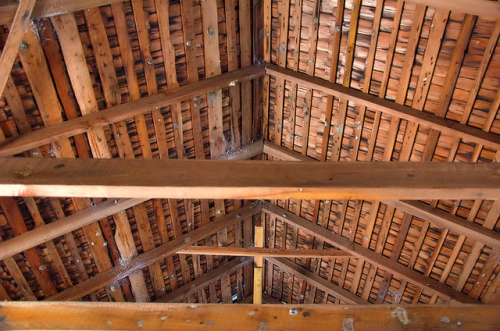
(161, 155)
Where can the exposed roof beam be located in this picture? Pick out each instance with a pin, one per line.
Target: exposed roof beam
(416, 208)
(244, 152)
(63, 226)
(118, 272)
(175, 316)
(124, 111)
(20, 24)
(370, 256)
(489, 10)
(199, 284)
(210, 179)
(264, 252)
(448, 221)
(386, 106)
(316, 280)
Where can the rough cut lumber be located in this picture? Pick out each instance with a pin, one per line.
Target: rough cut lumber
(370, 256)
(485, 9)
(213, 179)
(124, 111)
(142, 261)
(258, 275)
(448, 221)
(244, 152)
(62, 226)
(199, 284)
(17, 29)
(374, 103)
(264, 252)
(416, 208)
(172, 316)
(317, 281)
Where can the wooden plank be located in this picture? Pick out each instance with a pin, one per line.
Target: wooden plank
(154, 255)
(370, 256)
(175, 179)
(124, 111)
(485, 9)
(65, 225)
(374, 103)
(448, 221)
(19, 25)
(175, 316)
(245, 26)
(317, 281)
(258, 275)
(244, 153)
(202, 282)
(263, 252)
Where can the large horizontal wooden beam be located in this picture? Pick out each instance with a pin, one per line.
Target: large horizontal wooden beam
(65, 225)
(124, 111)
(448, 221)
(370, 256)
(416, 208)
(264, 252)
(200, 283)
(374, 103)
(210, 179)
(176, 316)
(314, 279)
(127, 267)
(486, 9)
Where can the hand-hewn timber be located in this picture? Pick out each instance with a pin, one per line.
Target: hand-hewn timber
(65, 225)
(198, 284)
(264, 252)
(386, 106)
(366, 254)
(175, 316)
(317, 281)
(124, 111)
(258, 270)
(212, 179)
(123, 270)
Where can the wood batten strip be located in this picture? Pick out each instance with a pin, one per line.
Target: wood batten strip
(368, 255)
(144, 260)
(262, 252)
(124, 111)
(445, 126)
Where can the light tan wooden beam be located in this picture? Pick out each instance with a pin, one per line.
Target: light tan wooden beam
(370, 256)
(386, 106)
(19, 25)
(175, 316)
(486, 9)
(63, 226)
(200, 283)
(116, 273)
(315, 280)
(416, 208)
(211, 179)
(258, 266)
(264, 252)
(124, 111)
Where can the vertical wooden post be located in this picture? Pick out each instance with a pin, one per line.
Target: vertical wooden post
(258, 263)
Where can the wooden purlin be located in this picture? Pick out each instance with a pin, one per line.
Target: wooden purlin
(369, 255)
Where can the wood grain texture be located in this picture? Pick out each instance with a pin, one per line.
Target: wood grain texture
(155, 316)
(204, 179)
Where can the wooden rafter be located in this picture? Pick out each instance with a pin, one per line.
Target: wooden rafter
(263, 252)
(246, 179)
(368, 255)
(124, 111)
(156, 316)
(19, 26)
(154, 255)
(317, 281)
(374, 103)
